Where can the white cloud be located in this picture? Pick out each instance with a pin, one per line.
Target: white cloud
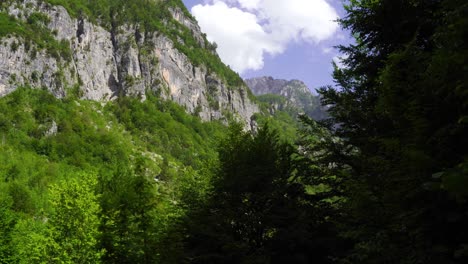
(248, 4)
(309, 20)
(246, 30)
(241, 39)
(327, 50)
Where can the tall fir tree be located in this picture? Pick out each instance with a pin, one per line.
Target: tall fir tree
(401, 103)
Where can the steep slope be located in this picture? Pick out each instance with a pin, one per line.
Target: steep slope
(292, 96)
(148, 159)
(104, 49)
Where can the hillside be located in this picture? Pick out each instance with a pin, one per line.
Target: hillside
(104, 49)
(292, 96)
(126, 148)
(111, 113)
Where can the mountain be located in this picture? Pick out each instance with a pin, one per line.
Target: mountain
(292, 96)
(112, 121)
(102, 147)
(102, 50)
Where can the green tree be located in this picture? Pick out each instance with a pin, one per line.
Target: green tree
(399, 110)
(75, 220)
(131, 229)
(7, 222)
(258, 212)
(67, 235)
(32, 242)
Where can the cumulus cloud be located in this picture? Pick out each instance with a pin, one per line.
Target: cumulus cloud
(246, 30)
(241, 39)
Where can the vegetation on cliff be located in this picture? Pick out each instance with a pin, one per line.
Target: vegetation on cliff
(147, 15)
(383, 180)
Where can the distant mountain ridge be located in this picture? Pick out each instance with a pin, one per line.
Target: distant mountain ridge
(298, 97)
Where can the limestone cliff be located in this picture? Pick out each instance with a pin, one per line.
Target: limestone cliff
(100, 61)
(295, 96)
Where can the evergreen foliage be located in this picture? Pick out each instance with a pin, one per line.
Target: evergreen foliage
(399, 110)
(259, 210)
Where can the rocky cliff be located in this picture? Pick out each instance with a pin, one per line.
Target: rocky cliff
(50, 46)
(296, 96)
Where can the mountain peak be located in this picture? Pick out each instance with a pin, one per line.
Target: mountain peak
(270, 85)
(296, 93)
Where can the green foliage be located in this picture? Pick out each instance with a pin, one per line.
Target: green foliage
(148, 16)
(258, 211)
(7, 223)
(164, 127)
(9, 25)
(279, 115)
(281, 121)
(397, 109)
(152, 16)
(74, 222)
(272, 99)
(33, 243)
(68, 234)
(383, 181)
(34, 30)
(152, 162)
(298, 102)
(284, 115)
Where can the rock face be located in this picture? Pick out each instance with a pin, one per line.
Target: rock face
(107, 63)
(296, 94)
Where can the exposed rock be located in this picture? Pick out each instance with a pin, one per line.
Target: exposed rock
(266, 85)
(17, 67)
(295, 92)
(194, 28)
(52, 129)
(106, 64)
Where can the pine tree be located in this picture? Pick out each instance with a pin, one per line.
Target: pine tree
(400, 106)
(259, 211)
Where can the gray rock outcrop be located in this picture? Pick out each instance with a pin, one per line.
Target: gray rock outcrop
(297, 96)
(105, 64)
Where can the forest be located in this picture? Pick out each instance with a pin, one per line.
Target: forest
(384, 179)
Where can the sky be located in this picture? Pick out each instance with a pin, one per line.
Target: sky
(285, 39)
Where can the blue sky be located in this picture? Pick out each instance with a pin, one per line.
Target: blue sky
(286, 39)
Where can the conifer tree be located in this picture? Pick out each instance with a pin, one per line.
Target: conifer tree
(400, 104)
